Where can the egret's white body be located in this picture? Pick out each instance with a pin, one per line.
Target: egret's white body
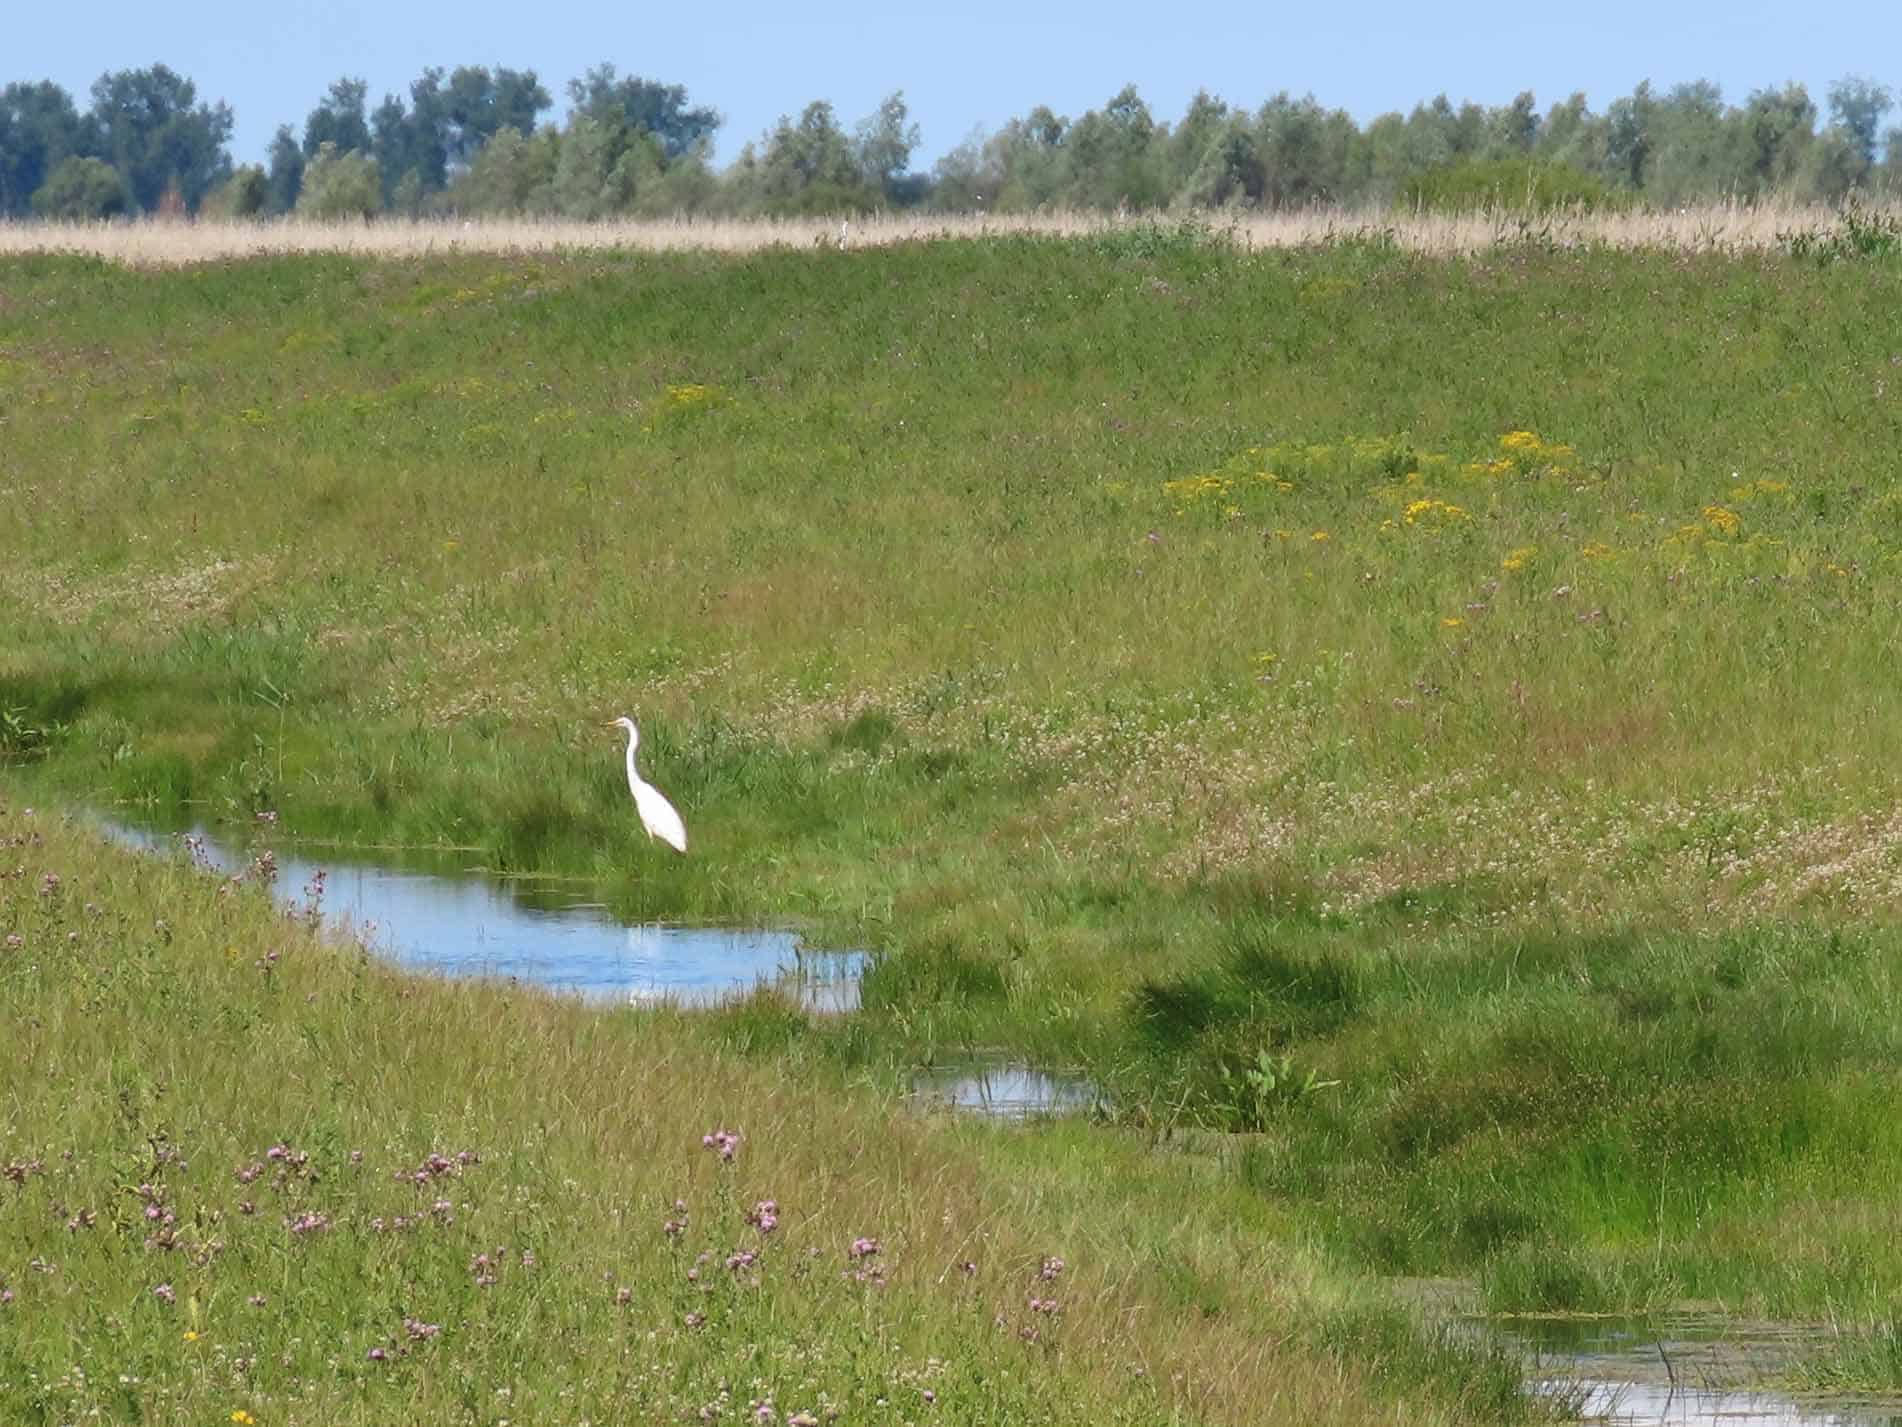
(657, 814)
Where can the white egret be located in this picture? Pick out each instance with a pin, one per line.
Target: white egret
(657, 814)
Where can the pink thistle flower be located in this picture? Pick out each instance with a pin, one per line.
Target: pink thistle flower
(1051, 1268)
(725, 1143)
(419, 1330)
(164, 1293)
(765, 1216)
(377, 1355)
(695, 1320)
(863, 1248)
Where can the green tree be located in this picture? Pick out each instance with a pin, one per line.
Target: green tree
(82, 189)
(39, 128)
(1628, 137)
(1778, 126)
(1113, 162)
(1573, 136)
(808, 167)
(1029, 162)
(965, 180)
(512, 174)
(148, 125)
(243, 195)
(338, 120)
(1688, 159)
(1230, 172)
(339, 185)
(1856, 110)
(643, 106)
(286, 176)
(1204, 124)
(1303, 150)
(883, 146)
(600, 167)
(1514, 128)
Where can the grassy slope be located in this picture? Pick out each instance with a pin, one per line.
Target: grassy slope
(159, 1071)
(971, 598)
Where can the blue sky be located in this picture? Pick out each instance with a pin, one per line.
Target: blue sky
(962, 65)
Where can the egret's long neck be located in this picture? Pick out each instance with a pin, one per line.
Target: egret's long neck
(633, 741)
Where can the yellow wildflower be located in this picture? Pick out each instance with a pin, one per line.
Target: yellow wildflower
(243, 1418)
(191, 1335)
(1318, 536)
(1597, 550)
(1517, 560)
(1438, 511)
(1452, 621)
(1721, 519)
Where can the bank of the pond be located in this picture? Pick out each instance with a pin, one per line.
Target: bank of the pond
(253, 1171)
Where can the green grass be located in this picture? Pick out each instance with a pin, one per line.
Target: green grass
(249, 1173)
(1426, 719)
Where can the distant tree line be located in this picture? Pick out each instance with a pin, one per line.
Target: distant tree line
(475, 141)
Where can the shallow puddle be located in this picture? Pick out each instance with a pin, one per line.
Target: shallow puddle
(538, 932)
(1005, 1091)
(1680, 1370)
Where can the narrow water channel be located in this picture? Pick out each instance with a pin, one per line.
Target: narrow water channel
(540, 934)
(1683, 1370)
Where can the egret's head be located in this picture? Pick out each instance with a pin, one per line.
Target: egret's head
(625, 724)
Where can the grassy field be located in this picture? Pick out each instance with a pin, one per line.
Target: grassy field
(1424, 720)
(254, 1180)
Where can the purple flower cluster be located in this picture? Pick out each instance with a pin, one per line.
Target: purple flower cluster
(309, 1222)
(420, 1331)
(435, 1166)
(725, 1142)
(765, 1216)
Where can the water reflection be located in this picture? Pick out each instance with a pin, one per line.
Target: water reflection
(1012, 1092)
(541, 932)
(1678, 1370)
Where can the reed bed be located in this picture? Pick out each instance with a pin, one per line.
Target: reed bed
(159, 242)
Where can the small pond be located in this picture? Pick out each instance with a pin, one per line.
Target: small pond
(538, 932)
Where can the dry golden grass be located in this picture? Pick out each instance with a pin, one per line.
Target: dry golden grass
(1722, 227)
